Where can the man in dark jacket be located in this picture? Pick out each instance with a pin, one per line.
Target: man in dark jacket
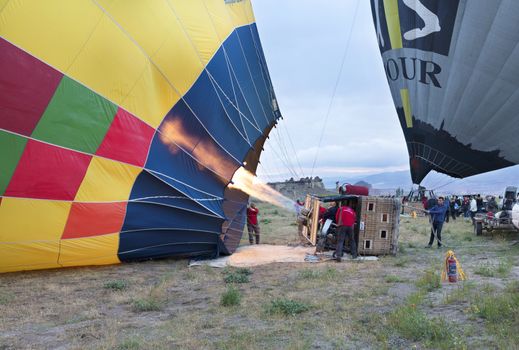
(330, 212)
(437, 213)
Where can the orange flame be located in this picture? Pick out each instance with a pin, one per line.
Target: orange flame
(205, 151)
(245, 181)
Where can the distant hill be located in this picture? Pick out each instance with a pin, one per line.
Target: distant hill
(493, 182)
(383, 180)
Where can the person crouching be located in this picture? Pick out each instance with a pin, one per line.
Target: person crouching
(345, 218)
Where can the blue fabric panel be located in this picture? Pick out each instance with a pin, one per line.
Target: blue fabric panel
(261, 55)
(234, 230)
(254, 60)
(263, 64)
(151, 189)
(177, 206)
(254, 130)
(173, 162)
(165, 243)
(203, 199)
(247, 129)
(219, 69)
(141, 216)
(203, 100)
(237, 58)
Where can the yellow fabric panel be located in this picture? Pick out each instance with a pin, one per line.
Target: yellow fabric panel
(47, 219)
(145, 21)
(98, 250)
(197, 24)
(155, 27)
(28, 256)
(110, 62)
(221, 19)
(51, 30)
(178, 61)
(107, 181)
(30, 244)
(241, 13)
(406, 103)
(3, 3)
(393, 23)
(77, 38)
(152, 97)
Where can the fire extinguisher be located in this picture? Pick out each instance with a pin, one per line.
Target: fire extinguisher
(452, 269)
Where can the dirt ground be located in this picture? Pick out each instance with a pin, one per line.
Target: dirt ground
(396, 302)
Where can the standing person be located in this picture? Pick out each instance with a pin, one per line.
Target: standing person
(298, 205)
(424, 202)
(447, 203)
(466, 208)
(331, 212)
(252, 223)
(492, 206)
(479, 202)
(473, 209)
(345, 218)
(454, 207)
(437, 218)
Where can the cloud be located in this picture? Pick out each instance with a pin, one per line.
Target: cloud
(304, 51)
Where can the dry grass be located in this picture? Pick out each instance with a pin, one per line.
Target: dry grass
(336, 306)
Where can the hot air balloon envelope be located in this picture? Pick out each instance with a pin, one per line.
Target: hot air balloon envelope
(453, 71)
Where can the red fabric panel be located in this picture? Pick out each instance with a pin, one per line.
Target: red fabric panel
(26, 87)
(94, 219)
(48, 172)
(127, 140)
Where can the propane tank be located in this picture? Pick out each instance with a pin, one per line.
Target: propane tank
(452, 269)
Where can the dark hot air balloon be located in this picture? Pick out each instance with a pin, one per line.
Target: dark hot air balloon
(453, 71)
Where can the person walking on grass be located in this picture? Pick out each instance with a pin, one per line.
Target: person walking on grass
(437, 213)
(252, 223)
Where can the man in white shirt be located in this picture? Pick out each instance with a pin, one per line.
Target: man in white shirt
(473, 208)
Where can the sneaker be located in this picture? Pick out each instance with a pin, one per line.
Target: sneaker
(439, 247)
(428, 246)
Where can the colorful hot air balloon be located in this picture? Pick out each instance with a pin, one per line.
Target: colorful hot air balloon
(453, 71)
(121, 126)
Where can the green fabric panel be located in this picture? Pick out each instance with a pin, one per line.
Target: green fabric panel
(75, 118)
(11, 150)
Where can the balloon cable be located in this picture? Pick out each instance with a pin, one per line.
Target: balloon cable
(345, 54)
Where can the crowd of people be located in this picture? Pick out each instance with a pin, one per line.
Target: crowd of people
(465, 206)
(443, 209)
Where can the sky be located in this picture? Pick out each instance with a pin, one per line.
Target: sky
(304, 42)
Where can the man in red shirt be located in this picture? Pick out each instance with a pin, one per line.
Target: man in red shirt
(252, 223)
(345, 219)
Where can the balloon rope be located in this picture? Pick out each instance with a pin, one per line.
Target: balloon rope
(335, 87)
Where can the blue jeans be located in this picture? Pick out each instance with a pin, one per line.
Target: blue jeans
(437, 226)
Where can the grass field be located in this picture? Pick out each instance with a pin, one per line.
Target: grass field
(395, 302)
